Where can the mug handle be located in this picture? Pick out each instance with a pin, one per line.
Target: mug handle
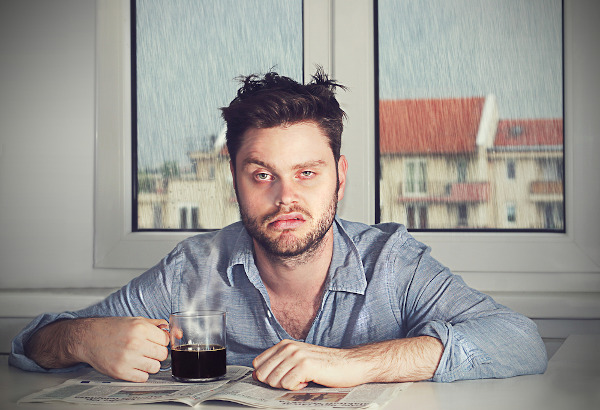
(165, 365)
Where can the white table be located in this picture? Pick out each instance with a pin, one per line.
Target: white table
(571, 382)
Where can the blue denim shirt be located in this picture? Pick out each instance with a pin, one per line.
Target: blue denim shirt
(382, 284)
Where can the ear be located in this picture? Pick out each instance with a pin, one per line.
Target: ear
(232, 169)
(342, 171)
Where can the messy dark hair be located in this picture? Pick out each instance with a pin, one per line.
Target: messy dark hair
(275, 100)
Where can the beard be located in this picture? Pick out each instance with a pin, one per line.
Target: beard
(286, 245)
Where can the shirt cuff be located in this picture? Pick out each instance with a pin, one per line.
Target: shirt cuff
(17, 355)
(461, 359)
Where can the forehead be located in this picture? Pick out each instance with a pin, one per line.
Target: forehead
(292, 144)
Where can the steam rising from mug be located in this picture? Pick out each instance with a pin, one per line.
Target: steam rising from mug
(203, 288)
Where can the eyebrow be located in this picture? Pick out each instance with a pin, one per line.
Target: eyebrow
(308, 164)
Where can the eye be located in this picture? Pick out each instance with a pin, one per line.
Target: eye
(307, 174)
(263, 176)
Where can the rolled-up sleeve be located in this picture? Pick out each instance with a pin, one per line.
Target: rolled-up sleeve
(481, 338)
(17, 355)
(148, 295)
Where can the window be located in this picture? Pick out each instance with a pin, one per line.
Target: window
(552, 169)
(415, 181)
(511, 171)
(511, 213)
(416, 216)
(518, 257)
(463, 217)
(187, 55)
(461, 170)
(188, 217)
(478, 84)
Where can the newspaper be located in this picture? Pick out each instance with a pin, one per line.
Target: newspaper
(237, 386)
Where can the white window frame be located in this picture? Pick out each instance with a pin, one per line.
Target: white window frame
(339, 36)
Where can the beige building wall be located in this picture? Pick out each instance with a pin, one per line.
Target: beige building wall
(518, 192)
(442, 172)
(207, 196)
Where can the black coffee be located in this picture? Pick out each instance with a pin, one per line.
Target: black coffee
(190, 362)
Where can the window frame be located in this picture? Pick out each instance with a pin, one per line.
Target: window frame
(328, 25)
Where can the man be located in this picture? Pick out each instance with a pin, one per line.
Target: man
(309, 297)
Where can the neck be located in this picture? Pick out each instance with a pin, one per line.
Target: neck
(293, 276)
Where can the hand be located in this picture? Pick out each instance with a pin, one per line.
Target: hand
(126, 348)
(292, 365)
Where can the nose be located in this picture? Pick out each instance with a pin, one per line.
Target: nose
(286, 193)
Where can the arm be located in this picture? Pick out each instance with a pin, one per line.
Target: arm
(292, 365)
(145, 296)
(481, 338)
(121, 347)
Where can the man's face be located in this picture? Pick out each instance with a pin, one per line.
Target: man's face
(287, 187)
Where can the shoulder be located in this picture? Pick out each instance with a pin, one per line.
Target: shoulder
(220, 241)
(390, 240)
(365, 235)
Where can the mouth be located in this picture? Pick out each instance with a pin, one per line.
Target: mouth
(287, 221)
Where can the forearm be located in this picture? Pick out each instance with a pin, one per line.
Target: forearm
(56, 345)
(399, 360)
(292, 365)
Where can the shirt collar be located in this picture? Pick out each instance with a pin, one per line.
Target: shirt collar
(346, 272)
(243, 254)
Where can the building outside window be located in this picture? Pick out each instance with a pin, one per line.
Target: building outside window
(428, 119)
(485, 107)
(188, 55)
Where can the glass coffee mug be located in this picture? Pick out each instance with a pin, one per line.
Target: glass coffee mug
(198, 347)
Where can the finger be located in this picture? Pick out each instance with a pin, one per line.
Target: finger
(138, 376)
(295, 379)
(158, 322)
(280, 362)
(130, 375)
(265, 362)
(147, 365)
(287, 377)
(154, 351)
(156, 334)
(128, 370)
(176, 333)
(269, 353)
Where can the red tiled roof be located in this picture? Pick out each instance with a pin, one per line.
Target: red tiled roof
(429, 125)
(529, 132)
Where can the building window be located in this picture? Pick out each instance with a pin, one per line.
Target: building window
(511, 213)
(188, 217)
(461, 170)
(415, 180)
(553, 215)
(416, 217)
(552, 169)
(511, 169)
(463, 218)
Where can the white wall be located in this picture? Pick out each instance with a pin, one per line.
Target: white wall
(47, 133)
(47, 140)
